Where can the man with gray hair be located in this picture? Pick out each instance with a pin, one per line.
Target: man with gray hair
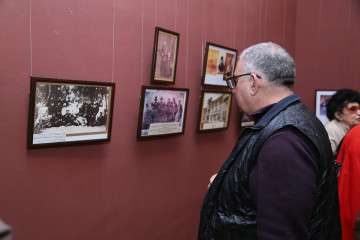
(278, 182)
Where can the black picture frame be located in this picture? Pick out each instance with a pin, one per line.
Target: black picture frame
(69, 112)
(162, 111)
(165, 52)
(219, 63)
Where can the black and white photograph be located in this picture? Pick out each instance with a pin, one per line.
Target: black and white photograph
(69, 111)
(214, 111)
(162, 111)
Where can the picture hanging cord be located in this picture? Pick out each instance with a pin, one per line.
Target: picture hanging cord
(260, 14)
(156, 4)
(266, 15)
(204, 35)
(244, 25)
(113, 53)
(176, 2)
(320, 17)
(142, 44)
(187, 43)
(30, 42)
(284, 21)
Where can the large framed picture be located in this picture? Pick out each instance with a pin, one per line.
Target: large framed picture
(166, 44)
(162, 111)
(68, 112)
(214, 110)
(321, 99)
(219, 64)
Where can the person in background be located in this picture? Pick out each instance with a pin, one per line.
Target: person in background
(349, 182)
(6, 232)
(278, 181)
(344, 113)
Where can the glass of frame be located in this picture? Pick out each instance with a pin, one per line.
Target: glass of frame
(214, 110)
(219, 63)
(321, 99)
(165, 53)
(162, 111)
(69, 112)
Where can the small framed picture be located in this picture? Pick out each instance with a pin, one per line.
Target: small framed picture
(214, 111)
(166, 44)
(68, 112)
(162, 111)
(246, 120)
(219, 64)
(321, 99)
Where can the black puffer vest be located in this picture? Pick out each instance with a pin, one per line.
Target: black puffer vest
(228, 211)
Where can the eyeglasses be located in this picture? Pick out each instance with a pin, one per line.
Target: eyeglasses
(231, 80)
(353, 109)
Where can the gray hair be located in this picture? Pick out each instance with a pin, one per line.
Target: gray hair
(271, 62)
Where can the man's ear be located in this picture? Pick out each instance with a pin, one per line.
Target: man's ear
(254, 84)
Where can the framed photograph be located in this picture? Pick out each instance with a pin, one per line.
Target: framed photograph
(214, 111)
(68, 112)
(321, 99)
(219, 64)
(162, 111)
(166, 44)
(246, 120)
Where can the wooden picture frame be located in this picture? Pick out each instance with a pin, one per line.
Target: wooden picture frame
(219, 63)
(69, 112)
(321, 99)
(165, 52)
(162, 111)
(214, 111)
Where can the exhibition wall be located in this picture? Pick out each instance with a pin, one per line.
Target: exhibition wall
(126, 188)
(327, 46)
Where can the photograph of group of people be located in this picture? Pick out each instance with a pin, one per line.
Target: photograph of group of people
(164, 109)
(72, 109)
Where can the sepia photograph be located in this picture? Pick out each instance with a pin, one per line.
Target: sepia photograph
(64, 112)
(214, 111)
(162, 111)
(321, 99)
(165, 52)
(219, 64)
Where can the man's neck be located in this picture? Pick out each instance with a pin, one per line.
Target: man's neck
(271, 95)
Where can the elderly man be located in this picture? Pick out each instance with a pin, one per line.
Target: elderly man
(278, 182)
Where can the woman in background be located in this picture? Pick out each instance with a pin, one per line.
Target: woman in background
(343, 111)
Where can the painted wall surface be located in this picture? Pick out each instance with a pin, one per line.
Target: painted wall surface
(128, 189)
(327, 46)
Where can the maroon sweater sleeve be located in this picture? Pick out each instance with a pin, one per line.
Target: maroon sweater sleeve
(282, 184)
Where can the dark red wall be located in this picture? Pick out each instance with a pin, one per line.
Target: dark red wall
(327, 46)
(128, 189)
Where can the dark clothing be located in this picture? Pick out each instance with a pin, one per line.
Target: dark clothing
(357, 227)
(229, 210)
(280, 210)
(278, 213)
